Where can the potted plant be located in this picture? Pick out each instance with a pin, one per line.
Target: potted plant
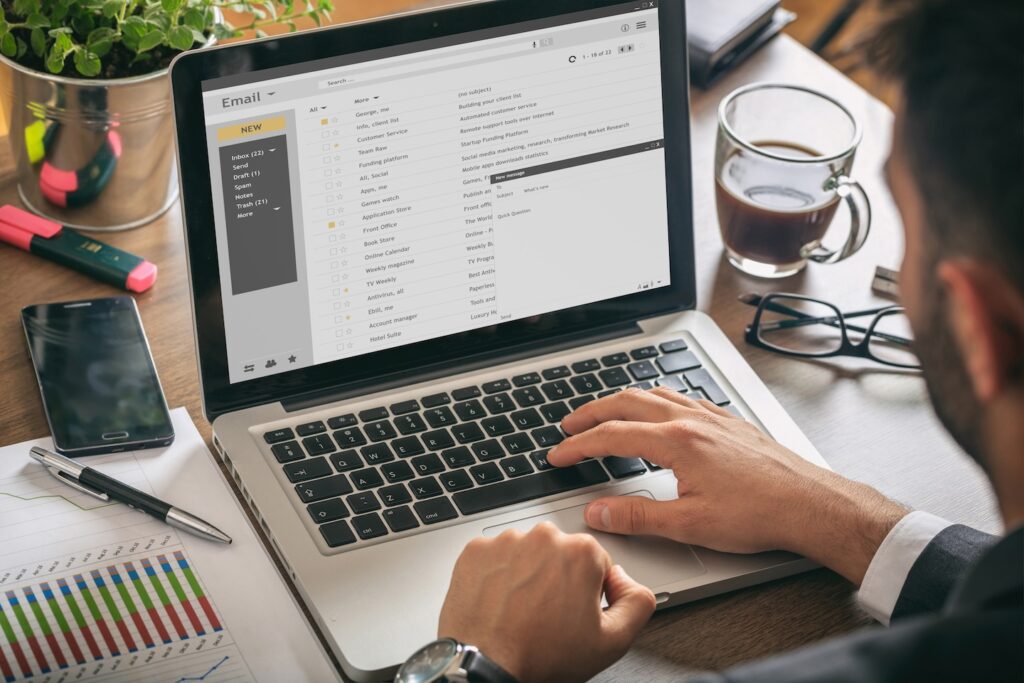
(85, 94)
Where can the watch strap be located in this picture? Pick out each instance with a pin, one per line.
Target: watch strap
(480, 669)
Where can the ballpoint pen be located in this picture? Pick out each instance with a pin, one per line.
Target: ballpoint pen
(96, 484)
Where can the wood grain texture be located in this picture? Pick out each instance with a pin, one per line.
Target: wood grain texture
(869, 424)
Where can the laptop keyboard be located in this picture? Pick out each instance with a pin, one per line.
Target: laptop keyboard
(390, 469)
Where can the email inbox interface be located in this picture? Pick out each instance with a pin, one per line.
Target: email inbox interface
(403, 198)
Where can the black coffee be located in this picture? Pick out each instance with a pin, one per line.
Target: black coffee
(769, 212)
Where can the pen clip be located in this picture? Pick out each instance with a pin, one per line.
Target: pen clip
(78, 486)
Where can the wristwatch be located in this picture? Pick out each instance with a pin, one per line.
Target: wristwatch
(449, 661)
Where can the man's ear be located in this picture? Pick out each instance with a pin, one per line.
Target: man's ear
(987, 314)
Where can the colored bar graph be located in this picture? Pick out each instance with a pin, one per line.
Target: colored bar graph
(165, 600)
(30, 636)
(12, 640)
(147, 602)
(5, 668)
(197, 590)
(108, 600)
(129, 603)
(179, 592)
(76, 614)
(97, 616)
(62, 623)
(44, 624)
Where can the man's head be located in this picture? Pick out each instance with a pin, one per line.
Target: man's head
(957, 174)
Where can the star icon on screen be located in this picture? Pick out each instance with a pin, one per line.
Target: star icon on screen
(292, 358)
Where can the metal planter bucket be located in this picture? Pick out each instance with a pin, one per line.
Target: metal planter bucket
(92, 154)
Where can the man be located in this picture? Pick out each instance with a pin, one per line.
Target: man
(954, 595)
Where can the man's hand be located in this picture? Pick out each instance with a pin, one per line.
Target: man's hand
(739, 491)
(532, 603)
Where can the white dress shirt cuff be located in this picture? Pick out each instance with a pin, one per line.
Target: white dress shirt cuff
(891, 564)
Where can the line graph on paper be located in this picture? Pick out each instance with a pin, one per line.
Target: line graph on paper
(122, 601)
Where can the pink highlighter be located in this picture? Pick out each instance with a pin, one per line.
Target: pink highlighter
(72, 249)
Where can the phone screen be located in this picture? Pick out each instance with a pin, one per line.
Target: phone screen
(99, 385)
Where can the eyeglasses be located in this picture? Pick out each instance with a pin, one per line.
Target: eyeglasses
(803, 327)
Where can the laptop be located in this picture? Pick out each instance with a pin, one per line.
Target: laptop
(414, 245)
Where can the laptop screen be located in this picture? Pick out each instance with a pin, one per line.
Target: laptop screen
(402, 194)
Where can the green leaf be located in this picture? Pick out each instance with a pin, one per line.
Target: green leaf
(194, 19)
(260, 33)
(22, 48)
(83, 24)
(111, 8)
(8, 45)
(4, 27)
(152, 39)
(63, 42)
(25, 7)
(199, 37)
(170, 6)
(180, 38)
(54, 32)
(100, 40)
(38, 39)
(37, 21)
(87, 63)
(223, 31)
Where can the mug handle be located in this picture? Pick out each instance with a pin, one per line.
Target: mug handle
(860, 222)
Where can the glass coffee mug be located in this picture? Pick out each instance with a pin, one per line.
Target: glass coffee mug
(782, 164)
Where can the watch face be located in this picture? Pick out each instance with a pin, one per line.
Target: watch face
(428, 662)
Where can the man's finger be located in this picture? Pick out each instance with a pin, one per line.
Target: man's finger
(627, 439)
(630, 605)
(630, 515)
(687, 402)
(631, 405)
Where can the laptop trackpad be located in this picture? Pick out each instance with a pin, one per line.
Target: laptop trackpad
(650, 560)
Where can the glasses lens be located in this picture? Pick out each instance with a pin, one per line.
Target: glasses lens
(800, 326)
(890, 341)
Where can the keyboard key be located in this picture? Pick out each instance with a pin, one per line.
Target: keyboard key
(614, 359)
(427, 487)
(342, 421)
(499, 403)
(328, 487)
(327, 510)
(556, 373)
(366, 479)
(288, 451)
(400, 519)
(307, 469)
(438, 439)
(547, 436)
(643, 352)
(526, 379)
(527, 419)
(318, 445)
(456, 481)
(540, 459)
(403, 407)
(394, 495)
(434, 511)
(497, 425)
(278, 435)
(346, 460)
(377, 453)
(702, 379)
(677, 362)
(672, 345)
(311, 428)
(457, 457)
(614, 377)
(380, 431)
(372, 414)
(586, 365)
(488, 450)
(641, 385)
(517, 443)
(554, 412)
(586, 384)
(410, 424)
(528, 396)
(496, 386)
(642, 370)
(397, 471)
(440, 417)
(407, 446)
(486, 473)
(556, 391)
(623, 467)
(608, 392)
(467, 432)
(369, 526)
(516, 466)
(427, 464)
(349, 436)
(363, 502)
(469, 410)
(673, 382)
(466, 393)
(520, 489)
(434, 400)
(337, 533)
(578, 401)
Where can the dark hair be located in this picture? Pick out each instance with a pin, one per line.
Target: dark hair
(960, 67)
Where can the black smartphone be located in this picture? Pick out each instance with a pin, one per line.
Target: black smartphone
(100, 389)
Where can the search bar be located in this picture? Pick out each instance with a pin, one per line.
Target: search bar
(466, 56)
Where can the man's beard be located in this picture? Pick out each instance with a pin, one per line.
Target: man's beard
(945, 373)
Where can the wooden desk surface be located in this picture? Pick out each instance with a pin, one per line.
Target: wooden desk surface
(871, 425)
